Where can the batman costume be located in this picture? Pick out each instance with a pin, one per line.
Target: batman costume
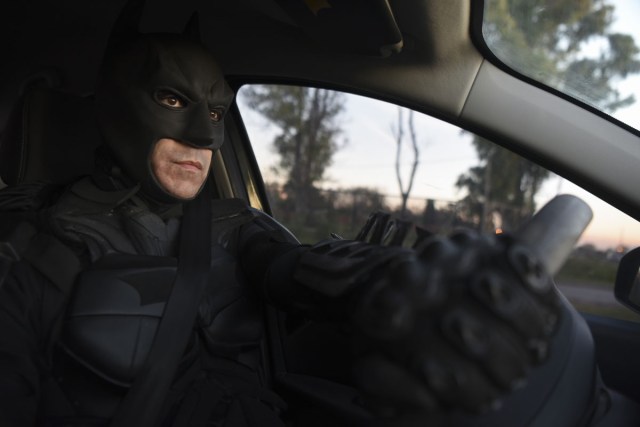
(71, 359)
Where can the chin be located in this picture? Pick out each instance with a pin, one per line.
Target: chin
(184, 195)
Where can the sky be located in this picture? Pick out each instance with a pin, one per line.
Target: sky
(626, 16)
(367, 154)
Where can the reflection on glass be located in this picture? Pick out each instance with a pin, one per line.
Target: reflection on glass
(587, 50)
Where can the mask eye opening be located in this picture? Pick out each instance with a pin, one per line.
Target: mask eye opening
(216, 114)
(170, 99)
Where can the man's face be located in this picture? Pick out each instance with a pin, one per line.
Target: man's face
(161, 105)
(180, 169)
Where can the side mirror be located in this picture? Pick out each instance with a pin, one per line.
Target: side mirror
(627, 289)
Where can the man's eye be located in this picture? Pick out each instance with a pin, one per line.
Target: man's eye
(171, 100)
(215, 115)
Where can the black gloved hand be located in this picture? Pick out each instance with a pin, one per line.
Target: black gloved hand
(455, 325)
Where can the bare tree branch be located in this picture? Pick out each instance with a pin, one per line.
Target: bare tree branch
(399, 135)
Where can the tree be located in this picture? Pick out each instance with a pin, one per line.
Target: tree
(571, 45)
(341, 211)
(569, 42)
(309, 128)
(360, 204)
(405, 187)
(501, 191)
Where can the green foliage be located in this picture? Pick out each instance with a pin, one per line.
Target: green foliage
(593, 270)
(553, 41)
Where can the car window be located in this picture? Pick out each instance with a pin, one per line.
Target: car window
(329, 159)
(588, 51)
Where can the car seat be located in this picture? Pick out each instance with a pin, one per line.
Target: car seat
(50, 136)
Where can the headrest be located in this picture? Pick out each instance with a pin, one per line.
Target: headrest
(50, 136)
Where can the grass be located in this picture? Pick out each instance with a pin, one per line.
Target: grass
(615, 312)
(593, 271)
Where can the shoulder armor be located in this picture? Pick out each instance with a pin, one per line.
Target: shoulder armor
(43, 251)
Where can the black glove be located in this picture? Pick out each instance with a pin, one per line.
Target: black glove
(453, 324)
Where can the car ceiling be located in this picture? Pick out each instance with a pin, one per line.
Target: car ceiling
(253, 40)
(439, 71)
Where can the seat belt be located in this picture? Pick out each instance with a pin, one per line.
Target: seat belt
(143, 403)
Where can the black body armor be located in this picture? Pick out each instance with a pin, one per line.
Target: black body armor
(118, 300)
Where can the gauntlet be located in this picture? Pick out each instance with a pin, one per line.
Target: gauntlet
(451, 323)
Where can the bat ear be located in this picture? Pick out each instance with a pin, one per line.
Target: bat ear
(127, 25)
(192, 29)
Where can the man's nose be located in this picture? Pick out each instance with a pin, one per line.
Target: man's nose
(201, 131)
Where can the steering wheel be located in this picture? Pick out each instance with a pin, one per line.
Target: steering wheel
(566, 390)
(563, 391)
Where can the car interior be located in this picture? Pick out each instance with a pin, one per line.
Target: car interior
(424, 55)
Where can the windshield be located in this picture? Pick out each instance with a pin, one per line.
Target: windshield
(586, 49)
(364, 155)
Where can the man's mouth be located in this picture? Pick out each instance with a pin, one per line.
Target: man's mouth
(190, 164)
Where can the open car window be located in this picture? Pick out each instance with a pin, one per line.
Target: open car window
(329, 159)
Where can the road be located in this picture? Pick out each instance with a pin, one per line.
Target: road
(588, 294)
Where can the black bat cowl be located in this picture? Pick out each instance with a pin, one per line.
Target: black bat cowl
(158, 87)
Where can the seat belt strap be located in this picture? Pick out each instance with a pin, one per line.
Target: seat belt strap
(144, 401)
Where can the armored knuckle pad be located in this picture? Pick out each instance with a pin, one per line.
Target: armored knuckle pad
(496, 279)
(335, 268)
(468, 316)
